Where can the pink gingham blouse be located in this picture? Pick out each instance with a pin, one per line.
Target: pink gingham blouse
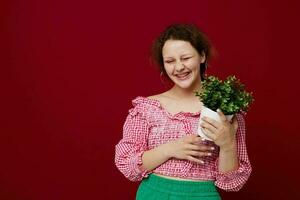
(149, 125)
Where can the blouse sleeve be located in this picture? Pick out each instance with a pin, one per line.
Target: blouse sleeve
(129, 151)
(234, 180)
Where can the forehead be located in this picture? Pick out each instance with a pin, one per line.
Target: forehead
(177, 47)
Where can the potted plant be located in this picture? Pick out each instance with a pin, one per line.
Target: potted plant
(229, 96)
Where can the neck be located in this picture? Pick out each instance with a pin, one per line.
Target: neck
(186, 93)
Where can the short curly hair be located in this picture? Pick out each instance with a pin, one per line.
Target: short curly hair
(186, 32)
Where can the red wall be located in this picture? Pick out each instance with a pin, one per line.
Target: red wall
(69, 70)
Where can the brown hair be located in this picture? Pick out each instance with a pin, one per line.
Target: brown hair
(185, 32)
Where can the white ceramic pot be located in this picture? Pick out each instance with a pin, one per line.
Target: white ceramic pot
(206, 112)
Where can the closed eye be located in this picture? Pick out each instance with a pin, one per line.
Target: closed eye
(168, 61)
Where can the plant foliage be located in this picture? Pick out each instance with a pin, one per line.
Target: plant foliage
(228, 95)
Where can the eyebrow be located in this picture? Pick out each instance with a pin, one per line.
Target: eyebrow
(186, 54)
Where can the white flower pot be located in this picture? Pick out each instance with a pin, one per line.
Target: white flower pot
(206, 112)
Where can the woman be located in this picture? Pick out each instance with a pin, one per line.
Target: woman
(160, 145)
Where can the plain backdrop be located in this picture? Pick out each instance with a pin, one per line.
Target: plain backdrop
(69, 70)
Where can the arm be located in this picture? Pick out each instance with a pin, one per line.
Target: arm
(135, 160)
(233, 165)
(228, 158)
(188, 147)
(129, 151)
(234, 173)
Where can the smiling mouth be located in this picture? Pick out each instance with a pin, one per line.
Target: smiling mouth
(182, 76)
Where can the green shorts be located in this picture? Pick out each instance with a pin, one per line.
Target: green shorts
(158, 188)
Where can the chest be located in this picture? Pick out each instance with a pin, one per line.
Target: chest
(174, 107)
(169, 127)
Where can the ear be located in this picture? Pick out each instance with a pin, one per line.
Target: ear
(202, 57)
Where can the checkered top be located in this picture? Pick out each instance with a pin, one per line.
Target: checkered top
(149, 125)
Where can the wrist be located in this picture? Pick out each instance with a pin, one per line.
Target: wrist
(229, 146)
(166, 150)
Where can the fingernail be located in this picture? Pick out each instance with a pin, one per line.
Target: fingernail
(209, 154)
(202, 161)
(218, 110)
(212, 148)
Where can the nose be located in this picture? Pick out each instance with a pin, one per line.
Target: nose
(179, 66)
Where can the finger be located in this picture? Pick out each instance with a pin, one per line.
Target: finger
(210, 134)
(200, 153)
(208, 126)
(200, 147)
(235, 123)
(210, 121)
(221, 114)
(192, 138)
(233, 117)
(193, 147)
(195, 139)
(196, 160)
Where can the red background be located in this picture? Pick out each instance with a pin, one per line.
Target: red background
(69, 70)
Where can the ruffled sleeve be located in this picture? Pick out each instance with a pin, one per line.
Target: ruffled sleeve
(129, 151)
(234, 180)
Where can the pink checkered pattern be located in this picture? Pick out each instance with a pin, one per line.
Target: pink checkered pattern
(149, 125)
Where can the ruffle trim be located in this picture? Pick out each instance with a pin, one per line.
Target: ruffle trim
(144, 104)
(231, 175)
(142, 171)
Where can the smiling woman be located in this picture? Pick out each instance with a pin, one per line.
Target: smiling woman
(183, 32)
(160, 146)
(182, 61)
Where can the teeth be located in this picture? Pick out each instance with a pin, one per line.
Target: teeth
(183, 75)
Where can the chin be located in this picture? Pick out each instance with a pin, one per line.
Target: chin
(184, 85)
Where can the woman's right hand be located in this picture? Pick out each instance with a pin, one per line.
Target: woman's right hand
(189, 147)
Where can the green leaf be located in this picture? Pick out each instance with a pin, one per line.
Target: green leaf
(228, 95)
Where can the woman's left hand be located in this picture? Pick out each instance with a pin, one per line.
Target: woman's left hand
(222, 133)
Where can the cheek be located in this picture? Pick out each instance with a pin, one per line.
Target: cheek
(168, 68)
(193, 65)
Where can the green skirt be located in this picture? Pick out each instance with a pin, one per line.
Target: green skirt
(158, 188)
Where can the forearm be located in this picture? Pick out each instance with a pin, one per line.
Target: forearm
(155, 157)
(228, 158)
